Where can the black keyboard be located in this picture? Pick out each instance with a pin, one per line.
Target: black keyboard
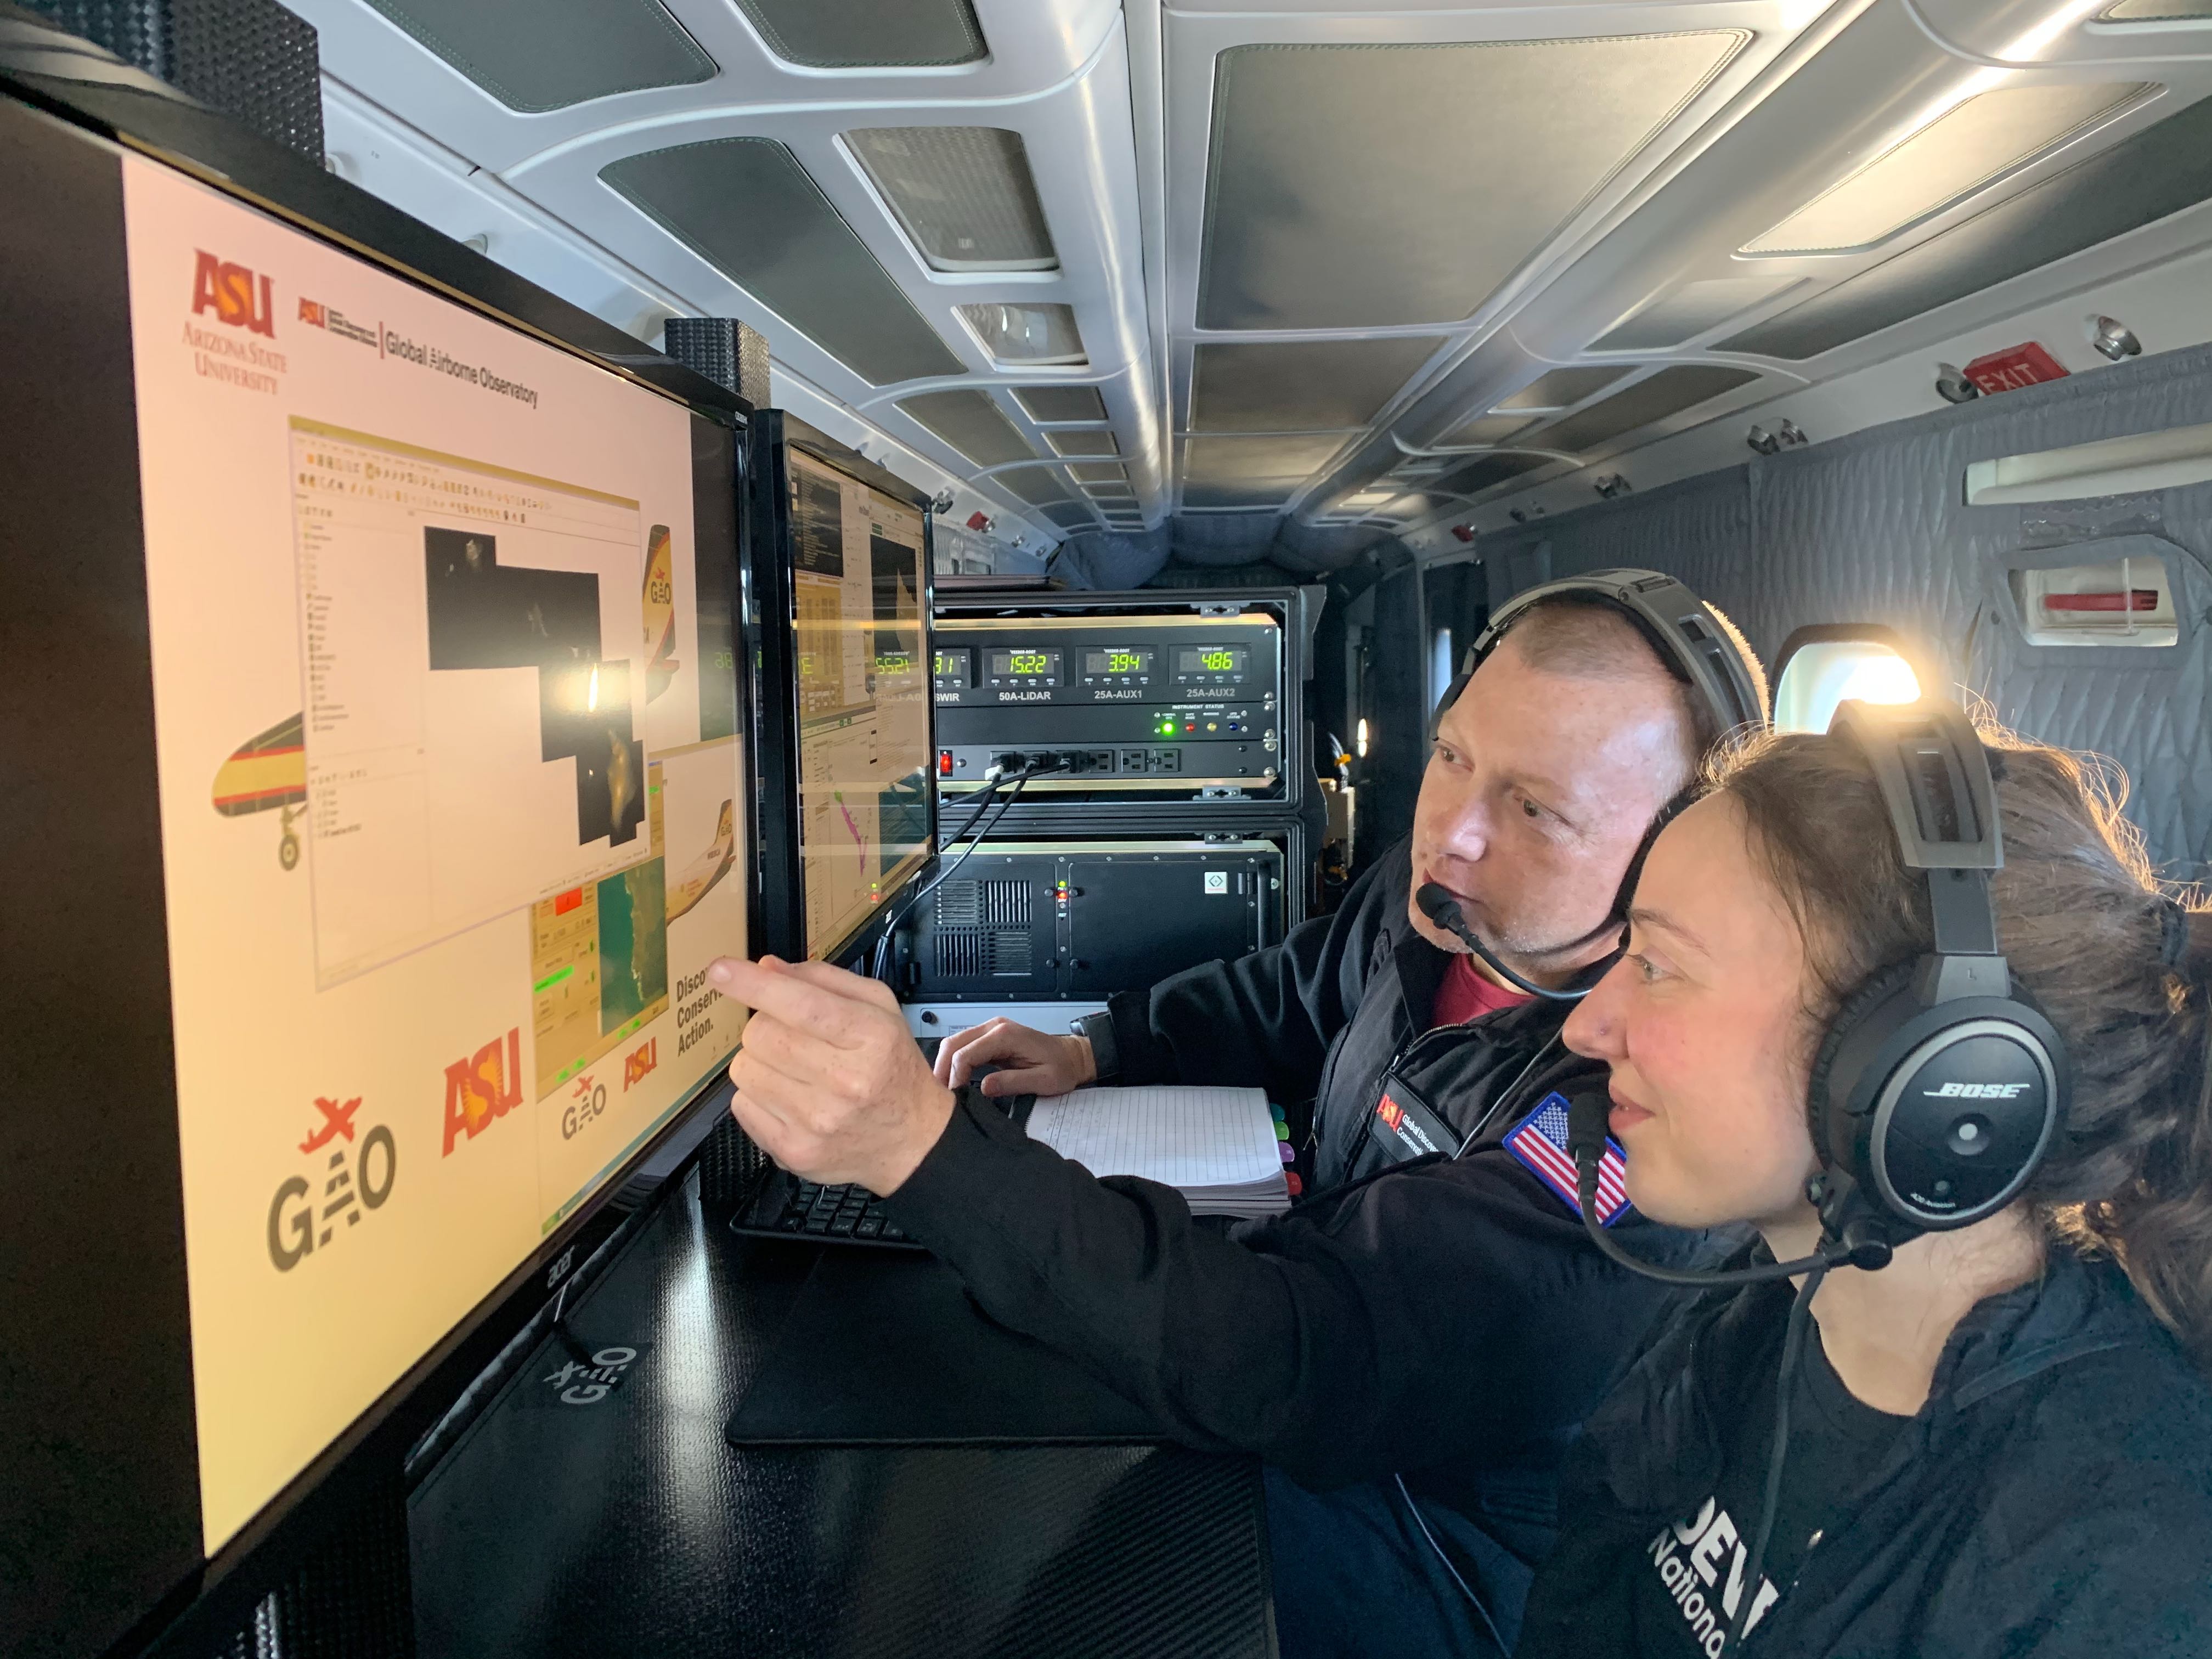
(815, 1211)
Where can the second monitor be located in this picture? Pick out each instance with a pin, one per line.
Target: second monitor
(840, 555)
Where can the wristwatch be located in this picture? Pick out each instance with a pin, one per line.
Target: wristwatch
(1098, 1031)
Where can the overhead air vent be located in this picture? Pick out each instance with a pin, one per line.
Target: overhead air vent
(1510, 136)
(964, 194)
(607, 46)
(1027, 333)
(868, 33)
(1299, 386)
(1689, 311)
(813, 273)
(1062, 402)
(2159, 171)
(1563, 386)
(971, 423)
(1484, 429)
(1669, 392)
(1078, 441)
(1968, 146)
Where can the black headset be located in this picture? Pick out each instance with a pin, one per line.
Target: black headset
(1938, 1085)
(1698, 647)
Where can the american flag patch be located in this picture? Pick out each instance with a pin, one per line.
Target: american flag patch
(1539, 1140)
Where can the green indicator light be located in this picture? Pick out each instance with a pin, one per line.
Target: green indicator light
(553, 979)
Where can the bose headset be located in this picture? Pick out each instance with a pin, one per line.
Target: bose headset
(1698, 647)
(1938, 1085)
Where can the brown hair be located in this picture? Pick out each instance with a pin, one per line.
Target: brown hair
(2116, 963)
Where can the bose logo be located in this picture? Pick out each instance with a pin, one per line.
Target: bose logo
(1976, 1091)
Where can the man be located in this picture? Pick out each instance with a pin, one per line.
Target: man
(1426, 1337)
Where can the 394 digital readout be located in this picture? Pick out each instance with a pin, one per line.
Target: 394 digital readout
(1116, 661)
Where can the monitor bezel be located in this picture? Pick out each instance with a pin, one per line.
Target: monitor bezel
(780, 884)
(364, 1461)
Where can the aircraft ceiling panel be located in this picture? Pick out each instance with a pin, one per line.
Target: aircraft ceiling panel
(717, 197)
(608, 46)
(1670, 393)
(2161, 170)
(1680, 315)
(1226, 460)
(971, 423)
(1300, 385)
(1461, 159)
(1564, 387)
(869, 33)
(965, 195)
(1061, 402)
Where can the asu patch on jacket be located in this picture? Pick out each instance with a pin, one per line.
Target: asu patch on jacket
(1540, 1142)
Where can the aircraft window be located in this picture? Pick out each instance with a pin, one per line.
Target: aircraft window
(2168, 459)
(1823, 666)
(2126, 602)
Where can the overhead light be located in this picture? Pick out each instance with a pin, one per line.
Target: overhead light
(2113, 338)
(1966, 146)
(1361, 740)
(1027, 333)
(965, 195)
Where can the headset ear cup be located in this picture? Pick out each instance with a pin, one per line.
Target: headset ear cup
(1826, 1095)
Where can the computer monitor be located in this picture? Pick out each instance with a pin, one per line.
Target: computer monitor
(842, 562)
(393, 800)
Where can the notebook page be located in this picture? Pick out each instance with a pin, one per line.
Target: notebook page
(1180, 1136)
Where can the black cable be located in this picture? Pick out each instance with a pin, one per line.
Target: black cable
(1792, 1356)
(882, 957)
(1440, 907)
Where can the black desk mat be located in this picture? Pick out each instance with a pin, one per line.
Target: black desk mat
(914, 1362)
(618, 1521)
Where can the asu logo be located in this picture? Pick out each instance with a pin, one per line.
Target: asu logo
(641, 1060)
(1390, 1112)
(483, 1088)
(230, 291)
(312, 313)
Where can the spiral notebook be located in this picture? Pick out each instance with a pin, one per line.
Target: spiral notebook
(1219, 1147)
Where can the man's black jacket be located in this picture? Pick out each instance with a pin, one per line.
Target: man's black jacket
(1448, 1320)
(2053, 1497)
(1323, 1016)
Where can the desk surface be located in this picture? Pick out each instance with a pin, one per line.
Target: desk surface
(575, 1517)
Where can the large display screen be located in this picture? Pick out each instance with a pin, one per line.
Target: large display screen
(452, 798)
(858, 586)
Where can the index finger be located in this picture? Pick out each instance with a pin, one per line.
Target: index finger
(770, 986)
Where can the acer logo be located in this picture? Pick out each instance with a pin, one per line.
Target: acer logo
(1976, 1091)
(235, 295)
(482, 1089)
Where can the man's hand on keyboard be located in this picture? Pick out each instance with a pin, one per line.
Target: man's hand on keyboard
(1029, 1062)
(829, 1082)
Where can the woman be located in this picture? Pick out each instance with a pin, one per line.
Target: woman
(2001, 1443)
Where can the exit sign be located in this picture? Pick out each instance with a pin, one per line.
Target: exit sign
(2014, 368)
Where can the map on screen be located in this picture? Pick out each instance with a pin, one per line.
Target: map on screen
(452, 797)
(863, 696)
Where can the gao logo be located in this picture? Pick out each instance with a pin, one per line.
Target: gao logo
(586, 1104)
(356, 1177)
(640, 1062)
(482, 1089)
(235, 295)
